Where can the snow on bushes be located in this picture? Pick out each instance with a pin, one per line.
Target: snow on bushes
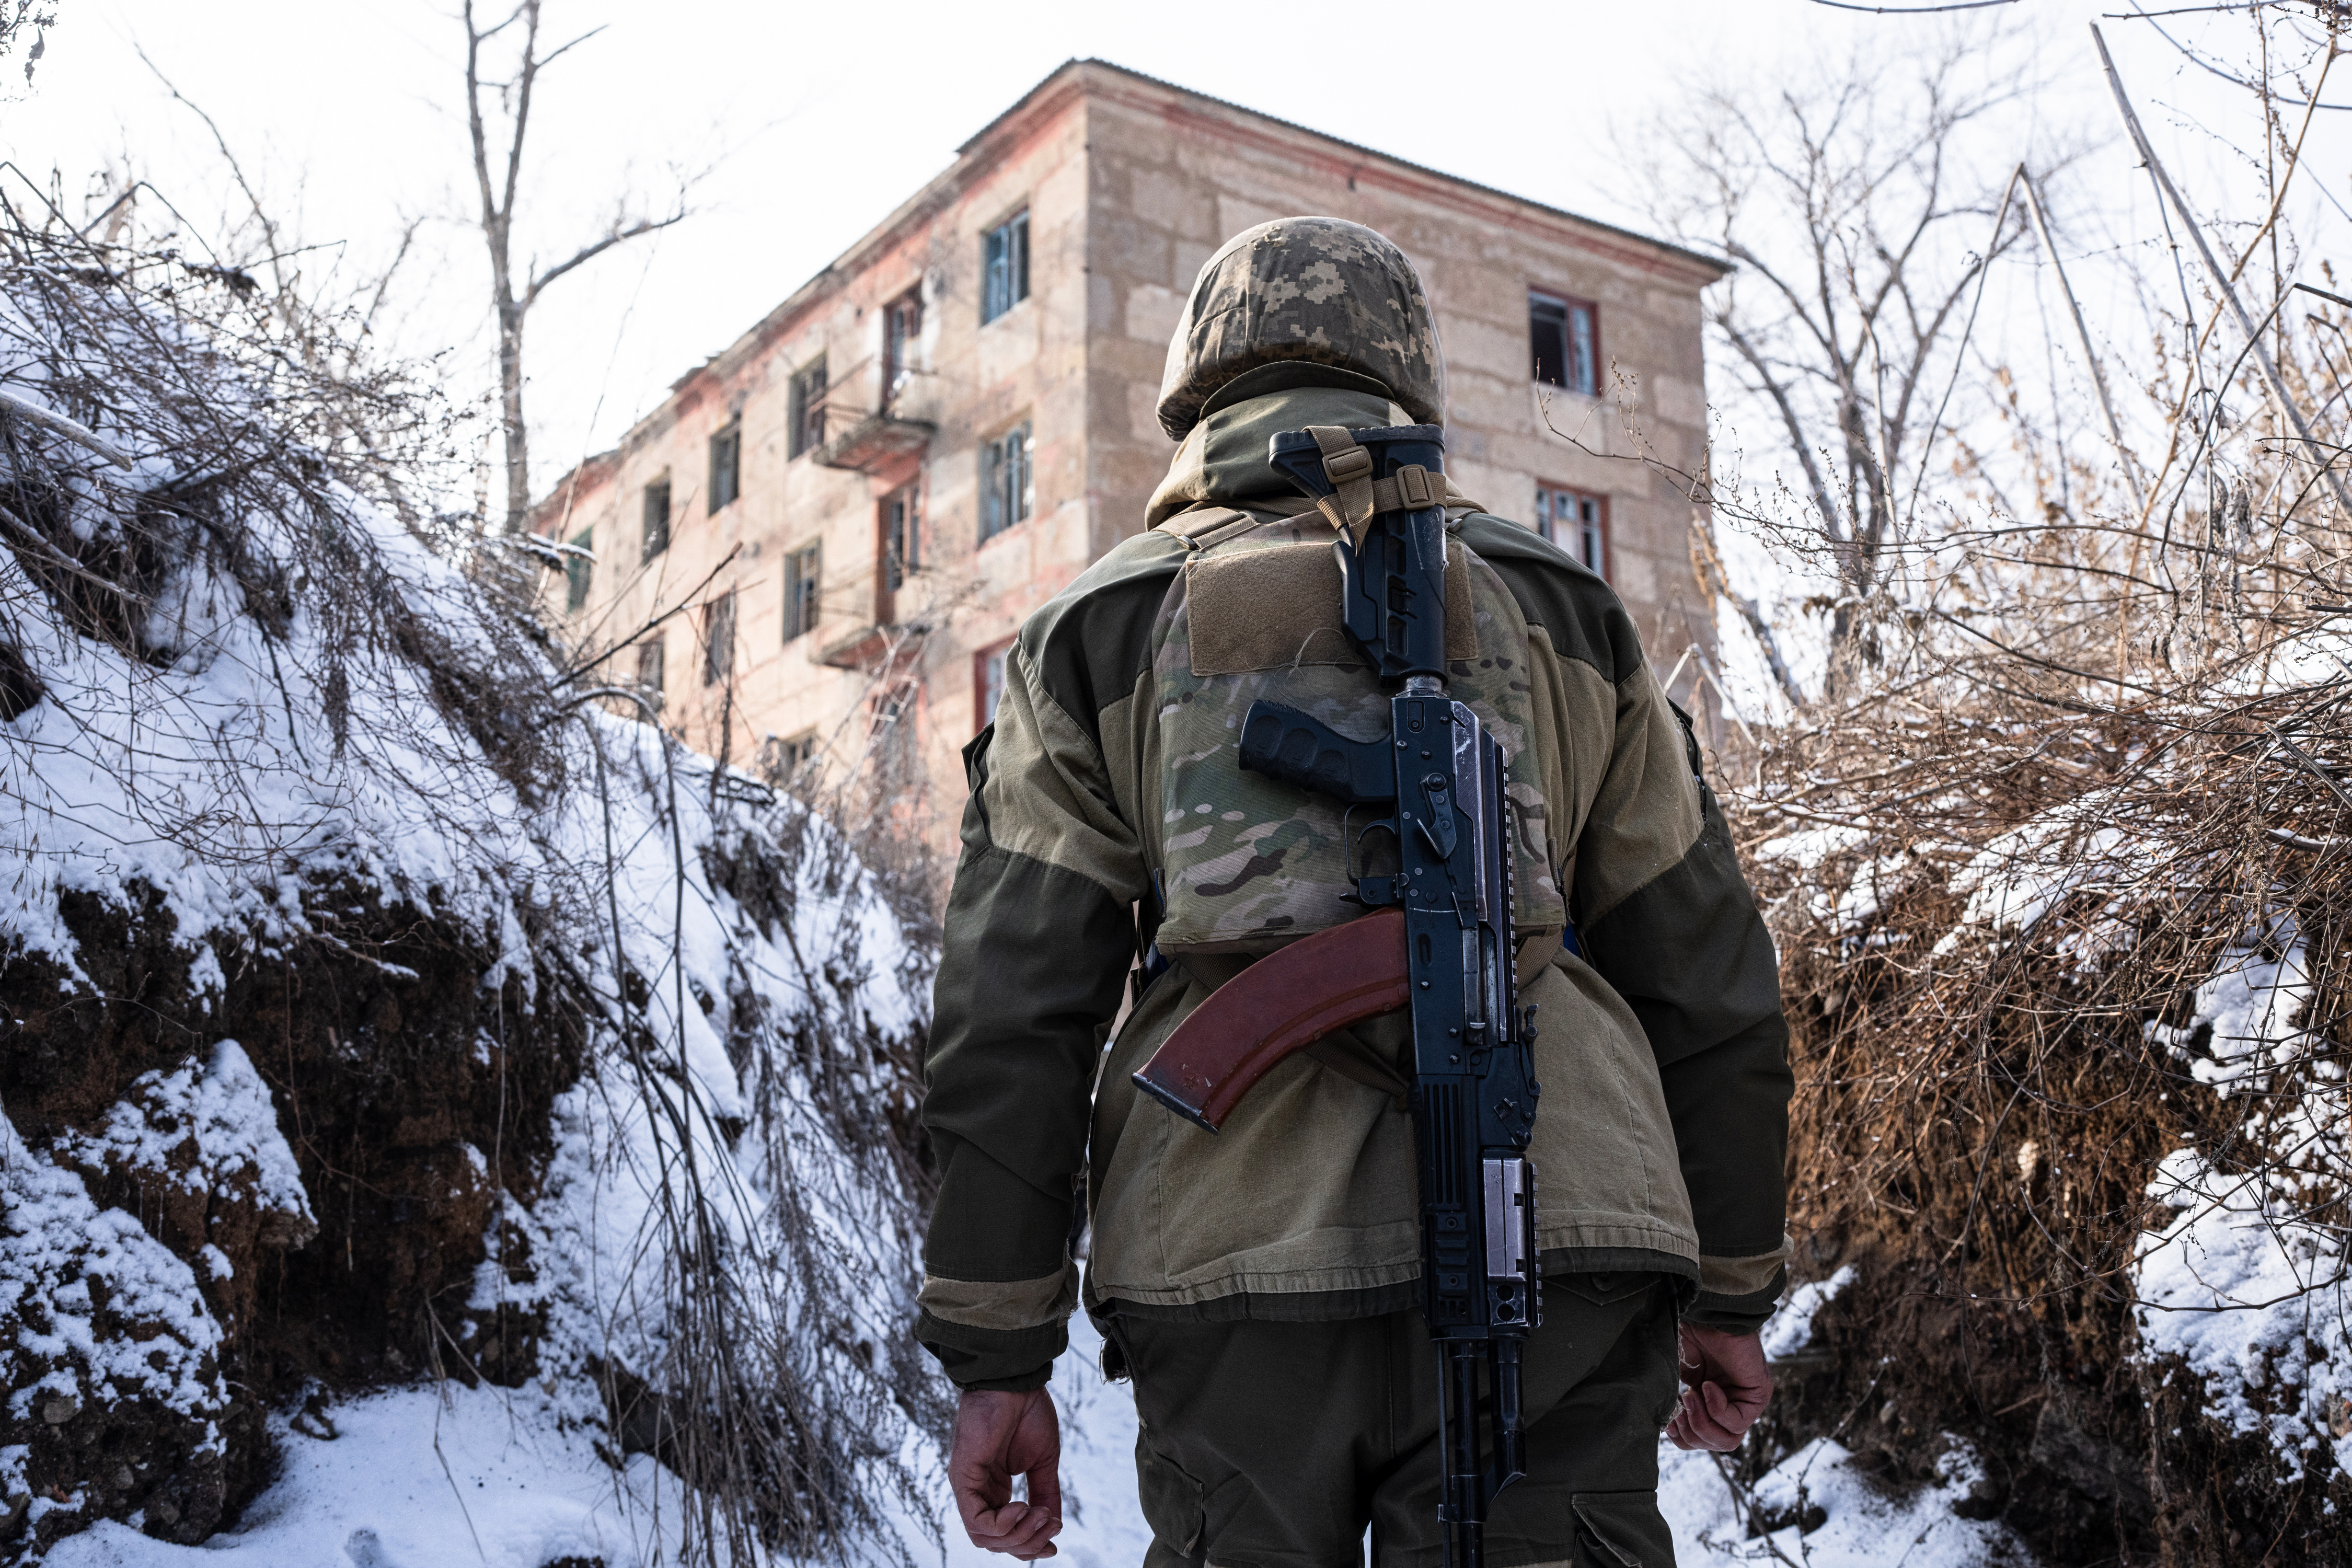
(383, 1008)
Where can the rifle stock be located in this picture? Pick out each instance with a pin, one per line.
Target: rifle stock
(1274, 1009)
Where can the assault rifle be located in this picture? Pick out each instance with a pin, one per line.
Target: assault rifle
(1429, 797)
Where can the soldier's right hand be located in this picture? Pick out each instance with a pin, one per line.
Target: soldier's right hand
(999, 1436)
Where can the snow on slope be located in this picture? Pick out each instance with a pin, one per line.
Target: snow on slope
(283, 709)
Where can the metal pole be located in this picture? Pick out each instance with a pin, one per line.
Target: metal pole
(2286, 406)
(2083, 335)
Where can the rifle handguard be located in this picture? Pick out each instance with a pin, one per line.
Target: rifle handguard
(1276, 1007)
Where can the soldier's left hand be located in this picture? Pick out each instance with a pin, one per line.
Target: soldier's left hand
(1725, 1386)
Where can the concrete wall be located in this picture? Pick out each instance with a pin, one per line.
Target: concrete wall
(1130, 185)
(1175, 176)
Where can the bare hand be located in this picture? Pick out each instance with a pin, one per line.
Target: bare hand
(1725, 1385)
(998, 1437)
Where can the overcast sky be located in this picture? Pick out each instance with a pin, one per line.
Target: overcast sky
(825, 116)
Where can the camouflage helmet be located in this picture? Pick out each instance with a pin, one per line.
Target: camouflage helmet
(1316, 288)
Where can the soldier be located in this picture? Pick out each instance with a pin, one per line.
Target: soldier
(1258, 1286)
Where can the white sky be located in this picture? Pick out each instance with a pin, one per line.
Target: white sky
(351, 116)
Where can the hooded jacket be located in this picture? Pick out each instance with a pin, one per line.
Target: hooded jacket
(1661, 1131)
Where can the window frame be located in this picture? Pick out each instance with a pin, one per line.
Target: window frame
(900, 346)
(803, 590)
(718, 656)
(897, 559)
(991, 458)
(1571, 306)
(653, 655)
(727, 472)
(996, 303)
(655, 528)
(1596, 528)
(805, 408)
(984, 712)
(788, 756)
(580, 571)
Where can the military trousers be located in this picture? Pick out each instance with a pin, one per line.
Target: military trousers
(1276, 1445)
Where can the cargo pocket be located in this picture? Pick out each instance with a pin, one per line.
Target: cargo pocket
(1170, 1498)
(1605, 1290)
(1620, 1529)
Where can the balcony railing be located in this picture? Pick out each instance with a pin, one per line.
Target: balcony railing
(870, 424)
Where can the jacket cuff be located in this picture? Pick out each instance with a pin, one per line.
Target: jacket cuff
(1736, 1311)
(1012, 1360)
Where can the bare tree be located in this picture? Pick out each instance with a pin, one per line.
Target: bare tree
(1860, 230)
(513, 292)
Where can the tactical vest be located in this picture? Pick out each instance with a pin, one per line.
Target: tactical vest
(1247, 863)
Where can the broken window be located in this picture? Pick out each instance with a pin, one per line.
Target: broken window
(807, 413)
(902, 537)
(1576, 520)
(1006, 490)
(727, 464)
(902, 335)
(988, 681)
(1564, 340)
(650, 667)
(657, 537)
(579, 569)
(784, 759)
(1004, 266)
(719, 639)
(802, 569)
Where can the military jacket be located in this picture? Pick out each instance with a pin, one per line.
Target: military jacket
(1109, 812)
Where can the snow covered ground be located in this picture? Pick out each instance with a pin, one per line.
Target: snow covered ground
(413, 1479)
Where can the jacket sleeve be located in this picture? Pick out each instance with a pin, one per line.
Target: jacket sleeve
(1038, 937)
(1665, 914)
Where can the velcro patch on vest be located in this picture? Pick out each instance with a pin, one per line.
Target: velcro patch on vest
(1278, 608)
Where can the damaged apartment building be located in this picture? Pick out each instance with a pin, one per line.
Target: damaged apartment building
(834, 528)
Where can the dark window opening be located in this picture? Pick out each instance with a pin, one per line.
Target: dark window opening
(891, 743)
(650, 667)
(579, 569)
(657, 519)
(1007, 488)
(803, 571)
(898, 547)
(1004, 271)
(902, 335)
(807, 413)
(1564, 342)
(1578, 522)
(988, 683)
(719, 639)
(785, 758)
(727, 465)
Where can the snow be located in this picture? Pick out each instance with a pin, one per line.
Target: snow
(224, 1109)
(67, 1266)
(525, 1485)
(2254, 1301)
(2241, 1283)
(1791, 1327)
(1858, 1526)
(417, 1478)
(238, 774)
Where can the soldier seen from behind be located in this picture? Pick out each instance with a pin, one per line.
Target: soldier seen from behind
(1259, 1285)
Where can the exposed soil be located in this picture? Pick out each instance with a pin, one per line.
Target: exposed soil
(1979, 1152)
(410, 1096)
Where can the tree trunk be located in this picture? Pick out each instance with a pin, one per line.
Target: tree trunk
(518, 440)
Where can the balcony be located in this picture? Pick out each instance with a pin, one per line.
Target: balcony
(876, 648)
(875, 410)
(873, 441)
